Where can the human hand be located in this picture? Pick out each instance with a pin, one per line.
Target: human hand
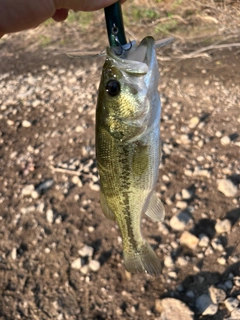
(17, 15)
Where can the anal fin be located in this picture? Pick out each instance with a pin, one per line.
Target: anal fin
(105, 208)
(155, 209)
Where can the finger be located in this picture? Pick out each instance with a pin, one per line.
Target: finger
(60, 15)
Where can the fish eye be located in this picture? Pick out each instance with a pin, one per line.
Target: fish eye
(113, 88)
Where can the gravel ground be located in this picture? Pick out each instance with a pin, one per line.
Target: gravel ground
(59, 257)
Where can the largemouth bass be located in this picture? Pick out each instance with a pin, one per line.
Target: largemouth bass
(128, 148)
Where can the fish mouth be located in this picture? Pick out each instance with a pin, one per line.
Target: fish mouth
(138, 60)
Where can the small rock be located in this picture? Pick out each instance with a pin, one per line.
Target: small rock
(91, 229)
(76, 197)
(14, 253)
(237, 281)
(227, 171)
(218, 134)
(94, 265)
(217, 245)
(208, 251)
(182, 261)
(200, 143)
(174, 244)
(36, 103)
(172, 309)
(186, 194)
(201, 172)
(235, 314)
(184, 139)
(188, 240)
(94, 187)
(27, 190)
(166, 149)
(148, 312)
(168, 201)
(231, 303)
(79, 129)
(77, 264)
(201, 125)
(234, 259)
(228, 284)
(44, 186)
(205, 306)
(190, 294)
(58, 219)
(227, 187)
(200, 255)
(211, 310)
(193, 122)
(223, 226)
(168, 262)
(225, 140)
(181, 204)
(222, 261)
(178, 196)
(86, 251)
(76, 180)
(180, 288)
(200, 279)
(49, 216)
(27, 210)
(172, 274)
(217, 295)
(165, 178)
(13, 155)
(188, 172)
(34, 194)
(204, 240)
(84, 270)
(179, 221)
(175, 104)
(26, 124)
(200, 158)
(119, 311)
(40, 207)
(10, 122)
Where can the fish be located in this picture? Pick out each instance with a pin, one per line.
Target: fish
(128, 149)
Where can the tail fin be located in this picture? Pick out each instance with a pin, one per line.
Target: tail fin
(142, 260)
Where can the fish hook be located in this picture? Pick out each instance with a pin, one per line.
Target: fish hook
(115, 28)
(125, 47)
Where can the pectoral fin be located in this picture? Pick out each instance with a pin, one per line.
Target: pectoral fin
(105, 208)
(155, 208)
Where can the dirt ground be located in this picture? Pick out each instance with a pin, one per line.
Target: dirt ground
(41, 233)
